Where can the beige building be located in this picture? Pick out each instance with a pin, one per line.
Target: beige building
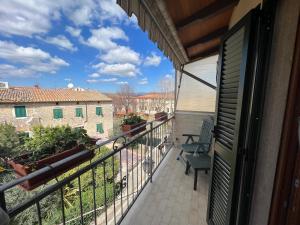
(152, 103)
(25, 107)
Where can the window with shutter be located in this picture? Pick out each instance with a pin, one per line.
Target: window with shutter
(234, 76)
(99, 111)
(20, 111)
(99, 128)
(57, 113)
(78, 112)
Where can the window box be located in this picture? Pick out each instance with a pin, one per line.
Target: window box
(24, 170)
(131, 122)
(161, 116)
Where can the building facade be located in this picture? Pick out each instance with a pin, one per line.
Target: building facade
(155, 102)
(26, 107)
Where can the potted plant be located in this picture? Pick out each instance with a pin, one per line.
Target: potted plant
(161, 116)
(48, 146)
(131, 122)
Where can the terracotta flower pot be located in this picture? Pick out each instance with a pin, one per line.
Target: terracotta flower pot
(126, 128)
(24, 170)
(161, 116)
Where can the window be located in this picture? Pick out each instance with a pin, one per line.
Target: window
(57, 113)
(78, 112)
(99, 128)
(20, 111)
(99, 111)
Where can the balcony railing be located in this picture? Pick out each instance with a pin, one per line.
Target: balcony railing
(124, 171)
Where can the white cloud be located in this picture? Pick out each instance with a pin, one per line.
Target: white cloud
(103, 37)
(122, 82)
(26, 17)
(107, 80)
(92, 81)
(121, 54)
(75, 32)
(62, 42)
(153, 60)
(168, 76)
(122, 70)
(94, 75)
(7, 70)
(143, 81)
(68, 79)
(34, 60)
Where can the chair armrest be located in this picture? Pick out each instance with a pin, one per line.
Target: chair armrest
(191, 135)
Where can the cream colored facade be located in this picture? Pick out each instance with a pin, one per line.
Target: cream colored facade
(152, 105)
(42, 114)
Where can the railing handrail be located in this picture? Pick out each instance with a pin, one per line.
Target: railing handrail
(56, 186)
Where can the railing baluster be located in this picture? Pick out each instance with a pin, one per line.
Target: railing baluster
(80, 201)
(94, 195)
(39, 212)
(114, 186)
(62, 205)
(132, 180)
(141, 163)
(127, 177)
(2, 201)
(121, 182)
(151, 148)
(137, 167)
(105, 204)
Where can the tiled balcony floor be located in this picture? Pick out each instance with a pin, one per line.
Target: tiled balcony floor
(170, 199)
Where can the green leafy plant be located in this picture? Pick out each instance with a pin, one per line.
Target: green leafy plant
(132, 119)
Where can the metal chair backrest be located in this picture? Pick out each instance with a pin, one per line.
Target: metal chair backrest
(205, 132)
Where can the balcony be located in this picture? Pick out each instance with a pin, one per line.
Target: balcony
(126, 188)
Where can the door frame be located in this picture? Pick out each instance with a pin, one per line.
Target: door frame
(286, 158)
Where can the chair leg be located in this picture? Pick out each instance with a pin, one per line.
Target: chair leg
(195, 179)
(180, 154)
(187, 169)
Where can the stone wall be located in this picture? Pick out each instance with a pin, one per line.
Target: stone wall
(42, 113)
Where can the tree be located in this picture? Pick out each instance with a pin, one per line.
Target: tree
(9, 140)
(126, 98)
(166, 93)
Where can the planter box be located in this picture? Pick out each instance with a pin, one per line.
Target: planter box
(24, 170)
(126, 128)
(161, 116)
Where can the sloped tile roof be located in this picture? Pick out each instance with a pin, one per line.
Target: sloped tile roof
(35, 94)
(156, 95)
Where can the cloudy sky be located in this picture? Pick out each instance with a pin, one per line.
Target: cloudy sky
(90, 43)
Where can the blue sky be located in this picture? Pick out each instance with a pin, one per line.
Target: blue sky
(89, 43)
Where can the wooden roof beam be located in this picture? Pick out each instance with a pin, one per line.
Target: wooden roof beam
(206, 53)
(213, 35)
(207, 12)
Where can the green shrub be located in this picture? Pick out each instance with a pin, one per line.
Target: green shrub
(132, 119)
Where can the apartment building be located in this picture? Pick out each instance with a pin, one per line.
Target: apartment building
(25, 107)
(152, 103)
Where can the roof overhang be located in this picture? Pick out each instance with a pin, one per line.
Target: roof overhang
(185, 30)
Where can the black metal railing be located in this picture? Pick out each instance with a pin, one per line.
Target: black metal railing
(115, 180)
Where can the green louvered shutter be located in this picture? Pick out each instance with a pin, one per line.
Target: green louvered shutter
(99, 111)
(57, 113)
(78, 112)
(99, 128)
(20, 111)
(234, 82)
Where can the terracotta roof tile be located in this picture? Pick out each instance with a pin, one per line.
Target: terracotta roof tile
(34, 94)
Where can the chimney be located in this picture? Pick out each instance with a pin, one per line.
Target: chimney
(4, 85)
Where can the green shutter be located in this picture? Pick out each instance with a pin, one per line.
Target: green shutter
(57, 113)
(99, 111)
(20, 111)
(100, 128)
(78, 112)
